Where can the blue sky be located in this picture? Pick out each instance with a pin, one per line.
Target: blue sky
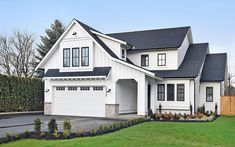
(212, 21)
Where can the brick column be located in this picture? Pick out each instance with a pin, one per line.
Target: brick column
(47, 108)
(111, 110)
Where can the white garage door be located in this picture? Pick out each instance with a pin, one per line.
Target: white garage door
(79, 101)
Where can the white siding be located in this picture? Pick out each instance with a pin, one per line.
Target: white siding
(114, 46)
(171, 59)
(180, 105)
(210, 106)
(182, 50)
(71, 41)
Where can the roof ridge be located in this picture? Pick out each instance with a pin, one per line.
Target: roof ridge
(217, 54)
(148, 30)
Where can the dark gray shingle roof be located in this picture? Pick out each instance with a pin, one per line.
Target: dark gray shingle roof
(191, 64)
(97, 71)
(154, 39)
(214, 68)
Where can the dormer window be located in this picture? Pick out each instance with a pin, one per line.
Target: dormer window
(144, 60)
(66, 57)
(85, 56)
(161, 59)
(123, 54)
(75, 57)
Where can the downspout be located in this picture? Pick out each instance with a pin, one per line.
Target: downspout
(194, 96)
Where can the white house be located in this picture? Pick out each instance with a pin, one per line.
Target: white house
(88, 73)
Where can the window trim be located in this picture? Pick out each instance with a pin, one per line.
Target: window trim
(173, 93)
(82, 56)
(208, 94)
(164, 93)
(64, 57)
(183, 92)
(75, 57)
(161, 59)
(146, 55)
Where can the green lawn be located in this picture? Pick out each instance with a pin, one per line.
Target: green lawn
(218, 133)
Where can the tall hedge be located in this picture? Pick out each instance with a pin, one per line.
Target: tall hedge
(20, 94)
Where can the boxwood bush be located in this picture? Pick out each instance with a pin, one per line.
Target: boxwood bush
(20, 94)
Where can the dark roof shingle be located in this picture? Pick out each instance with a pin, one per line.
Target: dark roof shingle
(191, 65)
(214, 68)
(154, 39)
(97, 71)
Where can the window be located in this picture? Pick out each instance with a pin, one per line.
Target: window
(144, 60)
(75, 57)
(72, 88)
(161, 92)
(97, 88)
(60, 88)
(161, 59)
(84, 88)
(209, 94)
(170, 92)
(85, 56)
(180, 92)
(66, 57)
(123, 53)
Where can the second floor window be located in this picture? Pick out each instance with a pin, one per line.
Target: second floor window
(66, 57)
(85, 56)
(75, 57)
(144, 60)
(161, 59)
(123, 54)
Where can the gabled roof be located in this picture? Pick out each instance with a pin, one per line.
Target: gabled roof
(96, 39)
(191, 65)
(214, 68)
(154, 39)
(97, 71)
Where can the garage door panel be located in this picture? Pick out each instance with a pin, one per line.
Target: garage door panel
(79, 102)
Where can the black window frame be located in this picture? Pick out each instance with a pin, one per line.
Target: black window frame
(170, 94)
(77, 57)
(180, 92)
(160, 60)
(144, 61)
(161, 93)
(123, 53)
(209, 92)
(82, 64)
(66, 57)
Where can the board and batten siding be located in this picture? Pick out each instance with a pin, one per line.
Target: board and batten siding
(171, 59)
(210, 106)
(177, 106)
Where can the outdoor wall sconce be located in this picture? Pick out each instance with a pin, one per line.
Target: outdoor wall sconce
(109, 90)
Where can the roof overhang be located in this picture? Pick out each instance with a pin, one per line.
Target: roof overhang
(109, 37)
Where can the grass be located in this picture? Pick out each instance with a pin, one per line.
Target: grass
(218, 133)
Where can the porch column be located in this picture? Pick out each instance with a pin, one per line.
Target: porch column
(141, 97)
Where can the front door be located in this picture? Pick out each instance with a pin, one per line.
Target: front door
(149, 96)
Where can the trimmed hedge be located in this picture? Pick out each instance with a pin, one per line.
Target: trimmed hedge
(21, 94)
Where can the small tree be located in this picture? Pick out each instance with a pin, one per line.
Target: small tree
(47, 41)
(52, 126)
(37, 125)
